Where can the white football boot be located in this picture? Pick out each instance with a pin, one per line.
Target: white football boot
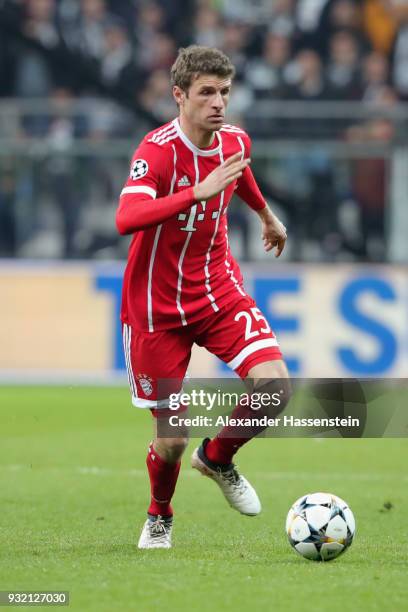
(156, 533)
(238, 492)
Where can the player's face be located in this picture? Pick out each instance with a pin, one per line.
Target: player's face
(205, 103)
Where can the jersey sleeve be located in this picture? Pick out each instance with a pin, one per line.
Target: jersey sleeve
(143, 203)
(148, 173)
(247, 188)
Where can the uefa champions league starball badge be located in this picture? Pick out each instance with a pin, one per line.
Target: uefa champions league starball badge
(140, 168)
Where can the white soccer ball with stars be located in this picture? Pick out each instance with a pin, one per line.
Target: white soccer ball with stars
(320, 526)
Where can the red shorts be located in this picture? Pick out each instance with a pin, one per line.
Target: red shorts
(238, 334)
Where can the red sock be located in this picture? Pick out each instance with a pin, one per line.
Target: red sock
(163, 477)
(229, 440)
(221, 450)
(231, 437)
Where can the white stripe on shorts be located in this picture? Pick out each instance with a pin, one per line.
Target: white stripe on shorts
(127, 336)
(251, 348)
(140, 402)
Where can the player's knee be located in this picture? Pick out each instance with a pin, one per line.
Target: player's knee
(179, 445)
(272, 395)
(171, 448)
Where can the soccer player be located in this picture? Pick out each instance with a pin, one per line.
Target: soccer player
(182, 285)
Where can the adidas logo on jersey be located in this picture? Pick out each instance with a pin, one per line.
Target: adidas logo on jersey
(184, 182)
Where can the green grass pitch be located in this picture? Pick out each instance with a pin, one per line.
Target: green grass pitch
(73, 498)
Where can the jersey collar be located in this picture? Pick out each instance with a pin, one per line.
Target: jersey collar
(192, 147)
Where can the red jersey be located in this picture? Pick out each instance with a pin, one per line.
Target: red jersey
(180, 268)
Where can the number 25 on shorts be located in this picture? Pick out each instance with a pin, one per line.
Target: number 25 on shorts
(249, 322)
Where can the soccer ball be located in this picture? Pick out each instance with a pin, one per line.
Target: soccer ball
(320, 526)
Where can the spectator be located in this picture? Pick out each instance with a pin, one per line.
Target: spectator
(179, 15)
(268, 75)
(307, 16)
(156, 96)
(310, 174)
(117, 55)
(40, 22)
(375, 76)
(342, 71)
(150, 21)
(400, 54)
(34, 76)
(380, 24)
(344, 15)
(162, 53)
(369, 183)
(69, 17)
(311, 86)
(386, 24)
(235, 37)
(63, 169)
(339, 15)
(311, 83)
(91, 31)
(208, 27)
(283, 20)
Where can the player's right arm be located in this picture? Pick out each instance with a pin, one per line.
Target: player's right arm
(152, 171)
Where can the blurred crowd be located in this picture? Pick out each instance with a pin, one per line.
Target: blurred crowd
(113, 57)
(283, 49)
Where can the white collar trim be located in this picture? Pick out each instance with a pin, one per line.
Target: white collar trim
(192, 147)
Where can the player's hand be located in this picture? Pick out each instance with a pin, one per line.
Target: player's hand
(273, 231)
(221, 177)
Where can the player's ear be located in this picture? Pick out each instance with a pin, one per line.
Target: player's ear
(179, 95)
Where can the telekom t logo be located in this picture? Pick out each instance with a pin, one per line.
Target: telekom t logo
(192, 215)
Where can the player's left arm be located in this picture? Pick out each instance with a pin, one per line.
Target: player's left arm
(273, 230)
